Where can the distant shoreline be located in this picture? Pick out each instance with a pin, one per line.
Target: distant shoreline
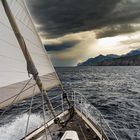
(133, 60)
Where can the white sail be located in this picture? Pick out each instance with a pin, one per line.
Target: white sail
(13, 67)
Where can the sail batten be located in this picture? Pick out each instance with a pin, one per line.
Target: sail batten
(13, 67)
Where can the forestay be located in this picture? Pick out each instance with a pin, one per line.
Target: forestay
(13, 67)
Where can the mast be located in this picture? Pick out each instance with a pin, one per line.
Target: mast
(30, 64)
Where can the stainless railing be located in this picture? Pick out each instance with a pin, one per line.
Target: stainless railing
(82, 104)
(92, 113)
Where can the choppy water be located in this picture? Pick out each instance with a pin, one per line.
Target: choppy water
(115, 91)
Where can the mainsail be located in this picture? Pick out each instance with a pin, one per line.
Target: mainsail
(13, 67)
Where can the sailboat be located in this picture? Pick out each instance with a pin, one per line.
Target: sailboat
(26, 71)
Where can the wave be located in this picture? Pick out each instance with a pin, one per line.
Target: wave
(16, 129)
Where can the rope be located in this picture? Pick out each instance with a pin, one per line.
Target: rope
(49, 104)
(16, 97)
(71, 112)
(44, 117)
(30, 109)
(71, 108)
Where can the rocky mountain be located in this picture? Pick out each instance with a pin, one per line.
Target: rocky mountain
(133, 60)
(98, 59)
(130, 59)
(134, 52)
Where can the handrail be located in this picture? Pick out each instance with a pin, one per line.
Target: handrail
(102, 122)
(81, 103)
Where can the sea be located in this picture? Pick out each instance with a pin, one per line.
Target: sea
(113, 90)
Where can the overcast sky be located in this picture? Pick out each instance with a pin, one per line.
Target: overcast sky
(75, 30)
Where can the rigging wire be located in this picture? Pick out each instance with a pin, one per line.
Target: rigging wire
(43, 107)
(71, 107)
(29, 113)
(22, 90)
(17, 94)
(64, 96)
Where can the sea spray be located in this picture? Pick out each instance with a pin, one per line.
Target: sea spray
(16, 129)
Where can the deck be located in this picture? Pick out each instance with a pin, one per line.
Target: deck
(83, 130)
(76, 123)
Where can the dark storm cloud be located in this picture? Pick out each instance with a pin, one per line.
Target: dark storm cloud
(114, 30)
(67, 16)
(60, 47)
(60, 17)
